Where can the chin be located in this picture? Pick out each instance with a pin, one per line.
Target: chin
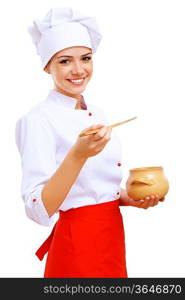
(77, 90)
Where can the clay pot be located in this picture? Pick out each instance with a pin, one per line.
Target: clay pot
(143, 182)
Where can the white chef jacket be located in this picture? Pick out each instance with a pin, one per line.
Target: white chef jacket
(44, 136)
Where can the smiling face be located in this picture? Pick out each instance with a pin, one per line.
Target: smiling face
(71, 70)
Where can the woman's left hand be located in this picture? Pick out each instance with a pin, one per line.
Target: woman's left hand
(145, 203)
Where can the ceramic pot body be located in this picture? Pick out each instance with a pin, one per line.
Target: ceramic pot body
(143, 182)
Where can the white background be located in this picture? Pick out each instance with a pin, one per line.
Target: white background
(139, 70)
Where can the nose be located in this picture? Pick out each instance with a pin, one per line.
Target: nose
(77, 68)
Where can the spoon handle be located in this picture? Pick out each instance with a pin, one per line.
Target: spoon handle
(88, 132)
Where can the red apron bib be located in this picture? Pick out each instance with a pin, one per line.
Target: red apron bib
(86, 242)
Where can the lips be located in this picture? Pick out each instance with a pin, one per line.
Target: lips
(77, 81)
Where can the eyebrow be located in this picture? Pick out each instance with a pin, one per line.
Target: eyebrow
(72, 56)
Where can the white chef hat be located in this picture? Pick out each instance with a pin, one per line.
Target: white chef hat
(61, 28)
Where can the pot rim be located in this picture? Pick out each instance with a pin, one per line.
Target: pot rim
(146, 169)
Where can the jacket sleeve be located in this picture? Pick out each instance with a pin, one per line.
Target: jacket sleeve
(37, 148)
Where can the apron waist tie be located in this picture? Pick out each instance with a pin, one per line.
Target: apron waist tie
(45, 246)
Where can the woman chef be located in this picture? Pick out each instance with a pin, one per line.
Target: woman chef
(77, 177)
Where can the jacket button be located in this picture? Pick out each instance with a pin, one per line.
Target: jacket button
(90, 114)
(34, 200)
(119, 164)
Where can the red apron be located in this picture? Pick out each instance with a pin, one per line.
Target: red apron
(86, 242)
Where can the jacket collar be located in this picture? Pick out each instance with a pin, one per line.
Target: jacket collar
(67, 101)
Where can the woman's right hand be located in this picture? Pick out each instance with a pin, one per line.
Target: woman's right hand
(91, 145)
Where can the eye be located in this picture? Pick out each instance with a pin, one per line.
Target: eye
(88, 58)
(63, 61)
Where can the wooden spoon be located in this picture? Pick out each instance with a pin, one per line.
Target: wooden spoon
(113, 125)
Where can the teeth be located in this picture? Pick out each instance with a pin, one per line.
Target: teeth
(77, 80)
